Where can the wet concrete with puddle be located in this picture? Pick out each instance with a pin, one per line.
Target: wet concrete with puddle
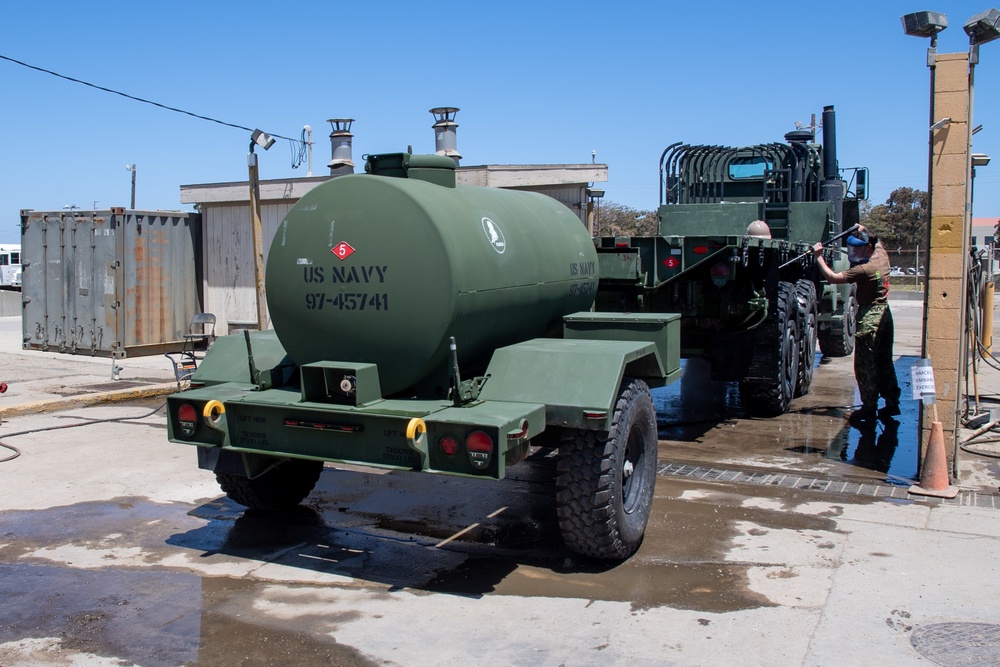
(206, 583)
(121, 579)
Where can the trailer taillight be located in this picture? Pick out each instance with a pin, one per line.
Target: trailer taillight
(187, 419)
(448, 445)
(479, 446)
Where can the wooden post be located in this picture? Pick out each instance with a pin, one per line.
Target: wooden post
(258, 241)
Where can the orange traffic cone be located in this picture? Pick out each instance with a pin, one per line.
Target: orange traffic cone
(934, 474)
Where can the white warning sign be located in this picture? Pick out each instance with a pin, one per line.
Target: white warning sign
(922, 377)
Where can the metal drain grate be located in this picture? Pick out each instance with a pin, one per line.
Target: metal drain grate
(959, 644)
(965, 498)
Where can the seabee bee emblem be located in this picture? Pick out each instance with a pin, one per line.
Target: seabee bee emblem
(494, 235)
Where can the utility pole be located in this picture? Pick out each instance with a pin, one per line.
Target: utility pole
(131, 168)
(265, 141)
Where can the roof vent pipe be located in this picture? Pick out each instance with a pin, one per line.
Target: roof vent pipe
(445, 141)
(340, 145)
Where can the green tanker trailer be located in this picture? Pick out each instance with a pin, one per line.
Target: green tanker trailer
(427, 326)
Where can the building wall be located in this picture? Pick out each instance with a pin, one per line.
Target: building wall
(573, 196)
(983, 230)
(228, 260)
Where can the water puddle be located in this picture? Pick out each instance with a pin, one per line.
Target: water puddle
(704, 422)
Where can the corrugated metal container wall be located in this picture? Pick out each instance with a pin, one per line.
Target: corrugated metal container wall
(230, 289)
(112, 283)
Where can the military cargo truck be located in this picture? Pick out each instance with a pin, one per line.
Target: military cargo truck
(427, 326)
(732, 222)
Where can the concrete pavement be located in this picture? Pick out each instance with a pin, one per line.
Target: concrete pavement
(108, 558)
(47, 381)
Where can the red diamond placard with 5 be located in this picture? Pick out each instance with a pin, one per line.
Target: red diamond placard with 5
(342, 250)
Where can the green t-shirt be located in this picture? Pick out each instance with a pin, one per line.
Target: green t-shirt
(872, 278)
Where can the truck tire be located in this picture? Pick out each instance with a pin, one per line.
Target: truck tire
(280, 488)
(808, 313)
(605, 479)
(839, 341)
(775, 363)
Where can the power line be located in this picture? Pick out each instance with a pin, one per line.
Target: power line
(144, 101)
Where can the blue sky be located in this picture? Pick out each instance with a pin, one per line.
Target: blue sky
(537, 82)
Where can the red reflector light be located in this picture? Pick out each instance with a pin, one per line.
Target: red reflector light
(479, 442)
(323, 426)
(448, 445)
(621, 244)
(700, 249)
(520, 433)
(720, 270)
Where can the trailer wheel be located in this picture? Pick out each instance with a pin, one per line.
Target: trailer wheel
(808, 314)
(775, 364)
(605, 479)
(839, 341)
(280, 488)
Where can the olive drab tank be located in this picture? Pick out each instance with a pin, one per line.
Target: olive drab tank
(386, 267)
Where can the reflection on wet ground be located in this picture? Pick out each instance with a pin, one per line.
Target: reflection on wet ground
(157, 618)
(115, 578)
(703, 421)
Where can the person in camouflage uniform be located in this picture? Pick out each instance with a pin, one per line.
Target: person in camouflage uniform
(873, 368)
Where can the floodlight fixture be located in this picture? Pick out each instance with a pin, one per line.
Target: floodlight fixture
(980, 159)
(983, 27)
(944, 122)
(262, 139)
(924, 24)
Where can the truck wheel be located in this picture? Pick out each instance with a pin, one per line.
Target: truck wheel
(808, 314)
(775, 363)
(605, 480)
(839, 341)
(282, 487)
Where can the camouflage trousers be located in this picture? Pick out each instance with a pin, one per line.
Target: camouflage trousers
(873, 367)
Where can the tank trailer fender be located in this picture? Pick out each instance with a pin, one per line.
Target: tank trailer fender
(228, 360)
(577, 381)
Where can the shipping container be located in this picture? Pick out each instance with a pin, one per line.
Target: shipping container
(112, 283)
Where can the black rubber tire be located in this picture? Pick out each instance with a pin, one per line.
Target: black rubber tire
(605, 479)
(776, 355)
(808, 314)
(282, 487)
(839, 340)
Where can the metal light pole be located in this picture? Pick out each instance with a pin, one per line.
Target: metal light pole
(131, 168)
(981, 28)
(265, 141)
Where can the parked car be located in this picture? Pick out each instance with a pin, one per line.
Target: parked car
(896, 271)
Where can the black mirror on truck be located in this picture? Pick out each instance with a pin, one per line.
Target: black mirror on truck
(861, 184)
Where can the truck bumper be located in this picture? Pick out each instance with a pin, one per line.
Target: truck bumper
(477, 440)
